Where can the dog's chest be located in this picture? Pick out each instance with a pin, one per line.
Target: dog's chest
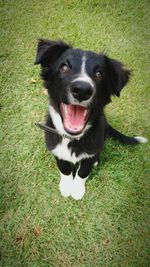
(64, 152)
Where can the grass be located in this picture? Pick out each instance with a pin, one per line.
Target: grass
(109, 226)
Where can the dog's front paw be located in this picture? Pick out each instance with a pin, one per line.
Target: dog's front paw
(65, 185)
(78, 188)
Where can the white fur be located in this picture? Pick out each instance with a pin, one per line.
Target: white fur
(83, 65)
(141, 139)
(78, 187)
(68, 186)
(74, 101)
(62, 151)
(57, 121)
(75, 188)
(65, 184)
(83, 76)
(96, 164)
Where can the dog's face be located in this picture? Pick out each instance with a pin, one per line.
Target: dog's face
(79, 83)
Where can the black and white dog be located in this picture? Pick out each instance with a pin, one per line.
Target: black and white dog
(79, 84)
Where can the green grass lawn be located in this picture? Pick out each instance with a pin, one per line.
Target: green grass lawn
(109, 226)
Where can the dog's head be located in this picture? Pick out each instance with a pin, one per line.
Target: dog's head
(79, 83)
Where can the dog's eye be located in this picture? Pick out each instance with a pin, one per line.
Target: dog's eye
(64, 68)
(98, 74)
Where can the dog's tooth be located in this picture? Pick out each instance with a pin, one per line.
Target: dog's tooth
(85, 112)
(65, 109)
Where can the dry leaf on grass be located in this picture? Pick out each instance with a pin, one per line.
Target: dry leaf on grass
(37, 231)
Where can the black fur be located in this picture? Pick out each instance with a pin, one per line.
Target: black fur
(113, 77)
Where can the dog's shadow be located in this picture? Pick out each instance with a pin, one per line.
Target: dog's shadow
(114, 153)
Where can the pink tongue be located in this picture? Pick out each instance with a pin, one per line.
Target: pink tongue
(74, 117)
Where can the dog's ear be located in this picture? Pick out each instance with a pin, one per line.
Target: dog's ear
(49, 51)
(117, 76)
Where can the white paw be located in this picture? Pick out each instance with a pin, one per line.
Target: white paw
(96, 164)
(65, 185)
(78, 188)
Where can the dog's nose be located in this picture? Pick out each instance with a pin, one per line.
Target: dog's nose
(81, 90)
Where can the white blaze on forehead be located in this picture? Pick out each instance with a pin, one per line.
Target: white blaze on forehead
(83, 76)
(83, 65)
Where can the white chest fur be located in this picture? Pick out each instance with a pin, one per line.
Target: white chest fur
(62, 151)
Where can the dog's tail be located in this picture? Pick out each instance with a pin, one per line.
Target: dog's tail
(125, 139)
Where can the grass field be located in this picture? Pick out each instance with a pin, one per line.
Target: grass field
(109, 226)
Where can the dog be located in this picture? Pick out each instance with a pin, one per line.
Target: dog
(79, 84)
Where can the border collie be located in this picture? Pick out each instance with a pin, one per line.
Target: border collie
(79, 84)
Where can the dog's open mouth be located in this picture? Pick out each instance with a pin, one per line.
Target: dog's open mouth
(74, 117)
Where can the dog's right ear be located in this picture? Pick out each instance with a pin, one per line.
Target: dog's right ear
(49, 51)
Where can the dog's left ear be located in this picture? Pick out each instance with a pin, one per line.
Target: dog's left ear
(117, 76)
(48, 51)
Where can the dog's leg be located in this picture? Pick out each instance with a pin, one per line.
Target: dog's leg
(66, 177)
(78, 186)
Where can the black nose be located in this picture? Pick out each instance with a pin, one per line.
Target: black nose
(81, 90)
